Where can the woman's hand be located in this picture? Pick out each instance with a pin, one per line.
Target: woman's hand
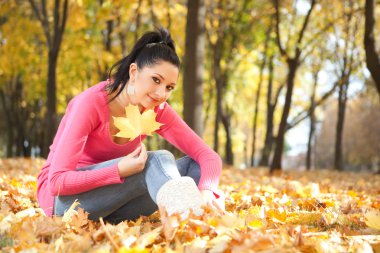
(211, 201)
(134, 162)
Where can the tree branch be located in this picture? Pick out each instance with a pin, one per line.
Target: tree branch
(42, 17)
(278, 35)
(62, 24)
(302, 32)
(278, 94)
(306, 113)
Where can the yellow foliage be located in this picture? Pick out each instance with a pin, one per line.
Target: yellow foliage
(132, 250)
(255, 224)
(276, 223)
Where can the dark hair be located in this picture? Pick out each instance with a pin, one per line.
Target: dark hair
(150, 49)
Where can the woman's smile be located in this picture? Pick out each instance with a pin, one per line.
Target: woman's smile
(154, 100)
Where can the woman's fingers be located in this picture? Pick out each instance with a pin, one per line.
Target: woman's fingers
(136, 151)
(143, 154)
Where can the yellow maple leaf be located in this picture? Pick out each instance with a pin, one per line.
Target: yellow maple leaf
(135, 123)
(278, 216)
(255, 224)
(373, 219)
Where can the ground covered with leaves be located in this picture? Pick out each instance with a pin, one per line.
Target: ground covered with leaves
(318, 211)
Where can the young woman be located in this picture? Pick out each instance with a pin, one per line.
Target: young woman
(116, 178)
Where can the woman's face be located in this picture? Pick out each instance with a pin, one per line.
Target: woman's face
(153, 84)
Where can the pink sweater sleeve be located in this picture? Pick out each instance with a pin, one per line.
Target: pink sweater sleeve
(178, 133)
(82, 116)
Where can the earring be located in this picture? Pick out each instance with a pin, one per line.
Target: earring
(131, 89)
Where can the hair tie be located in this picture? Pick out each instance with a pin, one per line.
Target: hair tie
(155, 43)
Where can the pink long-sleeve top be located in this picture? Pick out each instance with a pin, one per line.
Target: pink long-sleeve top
(83, 138)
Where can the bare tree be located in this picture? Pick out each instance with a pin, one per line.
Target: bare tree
(293, 64)
(271, 106)
(53, 29)
(258, 92)
(312, 118)
(227, 36)
(348, 61)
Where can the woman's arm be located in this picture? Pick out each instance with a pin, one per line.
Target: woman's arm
(81, 118)
(178, 133)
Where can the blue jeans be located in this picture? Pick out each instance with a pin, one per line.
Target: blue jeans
(136, 196)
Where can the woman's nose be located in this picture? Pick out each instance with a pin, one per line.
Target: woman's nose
(160, 92)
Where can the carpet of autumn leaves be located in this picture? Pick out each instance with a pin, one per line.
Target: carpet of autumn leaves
(317, 211)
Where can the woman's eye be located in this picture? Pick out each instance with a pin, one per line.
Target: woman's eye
(169, 88)
(156, 80)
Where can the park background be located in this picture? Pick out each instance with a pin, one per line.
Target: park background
(278, 84)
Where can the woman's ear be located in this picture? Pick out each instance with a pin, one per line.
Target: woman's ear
(132, 71)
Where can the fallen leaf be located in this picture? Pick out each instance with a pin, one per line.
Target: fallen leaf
(255, 224)
(68, 215)
(373, 219)
(148, 238)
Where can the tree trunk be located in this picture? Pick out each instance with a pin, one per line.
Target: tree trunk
(256, 112)
(108, 35)
(312, 122)
(258, 92)
(349, 64)
(226, 120)
(54, 35)
(16, 117)
(9, 124)
(264, 161)
(19, 116)
(277, 158)
(218, 115)
(207, 105)
(293, 63)
(227, 38)
(372, 56)
(51, 114)
(342, 99)
(193, 66)
(219, 82)
(245, 158)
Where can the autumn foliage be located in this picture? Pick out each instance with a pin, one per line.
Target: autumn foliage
(318, 211)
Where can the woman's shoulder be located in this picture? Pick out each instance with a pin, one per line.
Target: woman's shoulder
(97, 90)
(90, 102)
(95, 95)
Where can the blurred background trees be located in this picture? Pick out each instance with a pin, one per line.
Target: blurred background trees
(283, 84)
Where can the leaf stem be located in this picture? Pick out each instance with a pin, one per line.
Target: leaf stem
(108, 234)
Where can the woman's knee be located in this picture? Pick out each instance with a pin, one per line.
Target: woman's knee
(188, 167)
(158, 154)
(194, 171)
(161, 163)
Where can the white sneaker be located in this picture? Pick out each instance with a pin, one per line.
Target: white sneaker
(180, 196)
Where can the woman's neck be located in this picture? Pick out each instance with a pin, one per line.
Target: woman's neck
(123, 100)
